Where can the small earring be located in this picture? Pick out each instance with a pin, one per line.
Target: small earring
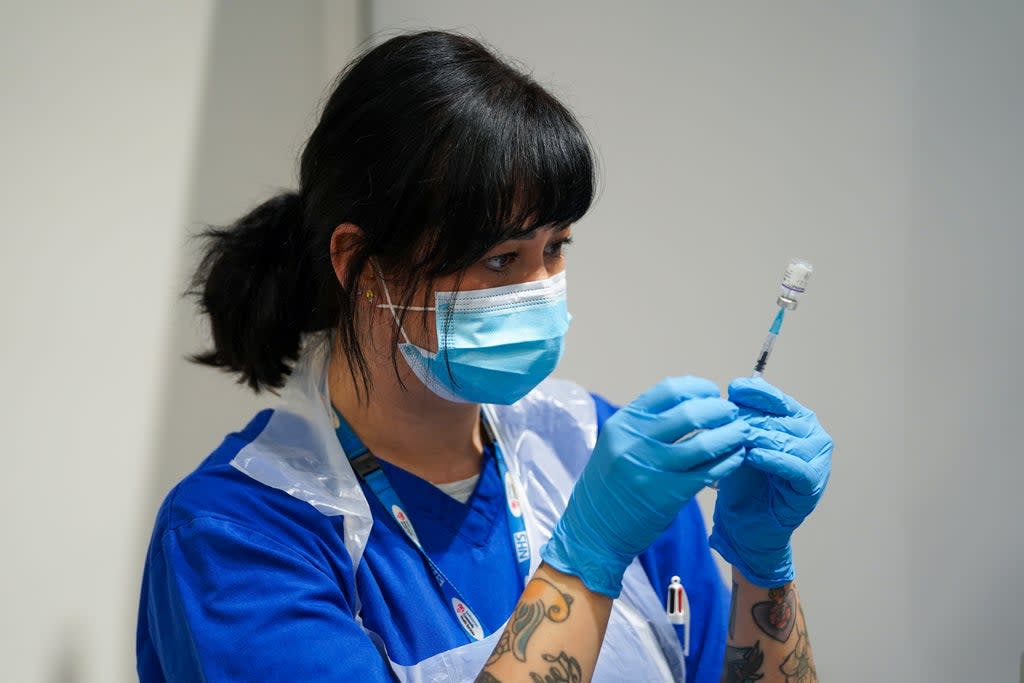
(368, 293)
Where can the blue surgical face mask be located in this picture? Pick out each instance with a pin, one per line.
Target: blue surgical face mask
(498, 343)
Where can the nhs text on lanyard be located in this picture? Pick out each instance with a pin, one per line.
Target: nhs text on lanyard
(368, 469)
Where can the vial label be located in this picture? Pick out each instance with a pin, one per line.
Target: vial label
(796, 276)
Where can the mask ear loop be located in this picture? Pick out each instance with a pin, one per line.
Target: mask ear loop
(391, 307)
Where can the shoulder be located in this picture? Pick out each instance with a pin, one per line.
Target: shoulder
(215, 489)
(228, 550)
(216, 495)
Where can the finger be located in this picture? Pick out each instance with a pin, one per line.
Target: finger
(726, 465)
(689, 416)
(802, 476)
(802, 425)
(672, 391)
(773, 440)
(708, 445)
(808, 448)
(754, 392)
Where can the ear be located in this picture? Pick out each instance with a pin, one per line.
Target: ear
(344, 240)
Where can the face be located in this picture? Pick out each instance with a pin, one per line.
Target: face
(535, 256)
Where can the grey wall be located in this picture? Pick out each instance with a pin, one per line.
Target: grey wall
(965, 294)
(126, 127)
(99, 112)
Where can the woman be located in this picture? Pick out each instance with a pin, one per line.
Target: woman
(381, 524)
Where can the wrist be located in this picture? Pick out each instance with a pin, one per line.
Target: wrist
(743, 582)
(768, 565)
(782, 575)
(599, 568)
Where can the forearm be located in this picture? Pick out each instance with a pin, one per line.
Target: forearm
(767, 636)
(555, 632)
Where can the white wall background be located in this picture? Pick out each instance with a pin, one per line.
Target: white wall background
(100, 109)
(125, 127)
(965, 294)
(883, 141)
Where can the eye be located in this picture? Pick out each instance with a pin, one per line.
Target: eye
(501, 262)
(555, 249)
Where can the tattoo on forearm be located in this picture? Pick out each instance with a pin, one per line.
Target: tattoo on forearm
(563, 669)
(503, 646)
(777, 615)
(732, 610)
(531, 611)
(486, 677)
(804, 620)
(743, 664)
(798, 667)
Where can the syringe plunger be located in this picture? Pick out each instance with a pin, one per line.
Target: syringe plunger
(766, 350)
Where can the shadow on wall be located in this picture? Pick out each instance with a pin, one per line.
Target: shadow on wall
(263, 83)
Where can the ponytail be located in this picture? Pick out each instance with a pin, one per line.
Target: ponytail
(259, 289)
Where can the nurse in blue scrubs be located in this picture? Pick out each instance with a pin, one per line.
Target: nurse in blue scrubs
(424, 503)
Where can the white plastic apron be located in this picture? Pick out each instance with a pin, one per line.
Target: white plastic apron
(546, 438)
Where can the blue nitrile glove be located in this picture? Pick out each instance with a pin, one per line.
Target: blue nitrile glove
(784, 475)
(638, 478)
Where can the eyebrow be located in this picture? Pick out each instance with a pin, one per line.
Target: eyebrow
(522, 237)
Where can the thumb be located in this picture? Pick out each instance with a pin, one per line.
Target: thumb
(800, 475)
(754, 392)
(672, 391)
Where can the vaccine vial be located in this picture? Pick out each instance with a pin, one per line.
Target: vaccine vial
(794, 283)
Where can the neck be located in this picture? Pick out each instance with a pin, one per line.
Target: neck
(409, 427)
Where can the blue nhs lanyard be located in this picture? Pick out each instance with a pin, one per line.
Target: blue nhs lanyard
(367, 467)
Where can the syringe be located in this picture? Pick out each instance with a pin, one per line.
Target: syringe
(793, 284)
(769, 343)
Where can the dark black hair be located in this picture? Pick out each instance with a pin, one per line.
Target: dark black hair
(438, 150)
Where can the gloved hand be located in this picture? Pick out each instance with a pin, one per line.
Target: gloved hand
(638, 478)
(784, 475)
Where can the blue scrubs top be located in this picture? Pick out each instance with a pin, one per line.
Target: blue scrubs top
(243, 582)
